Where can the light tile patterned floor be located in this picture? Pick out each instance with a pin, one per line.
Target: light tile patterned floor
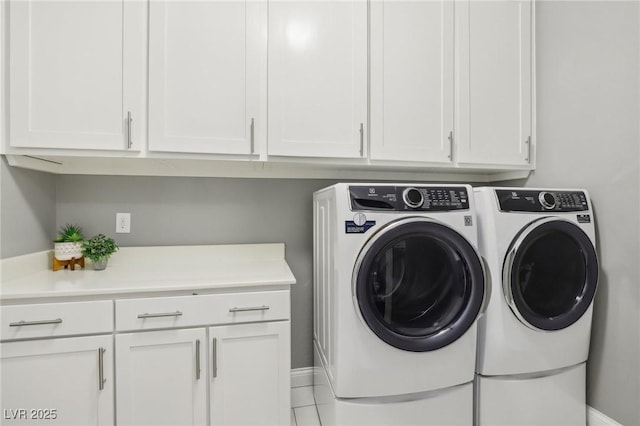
(303, 411)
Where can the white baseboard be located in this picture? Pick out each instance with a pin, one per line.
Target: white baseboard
(301, 377)
(596, 418)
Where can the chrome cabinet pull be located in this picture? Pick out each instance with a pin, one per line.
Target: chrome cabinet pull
(198, 359)
(161, 314)
(528, 143)
(129, 120)
(251, 308)
(214, 357)
(252, 135)
(450, 144)
(101, 379)
(361, 139)
(43, 322)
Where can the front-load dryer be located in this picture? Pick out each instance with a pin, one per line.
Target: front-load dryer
(398, 286)
(533, 340)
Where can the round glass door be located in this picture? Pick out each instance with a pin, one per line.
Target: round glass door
(419, 285)
(551, 275)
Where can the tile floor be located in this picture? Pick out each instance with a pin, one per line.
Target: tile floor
(303, 411)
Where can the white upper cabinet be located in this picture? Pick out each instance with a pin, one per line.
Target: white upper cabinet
(77, 73)
(317, 78)
(369, 86)
(494, 81)
(207, 76)
(412, 75)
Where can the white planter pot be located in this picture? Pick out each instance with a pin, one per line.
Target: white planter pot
(68, 251)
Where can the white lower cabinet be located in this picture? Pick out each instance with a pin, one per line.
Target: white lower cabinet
(220, 359)
(249, 374)
(161, 378)
(215, 359)
(217, 355)
(62, 381)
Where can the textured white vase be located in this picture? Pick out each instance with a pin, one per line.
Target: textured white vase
(68, 251)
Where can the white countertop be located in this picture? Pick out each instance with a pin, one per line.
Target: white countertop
(148, 269)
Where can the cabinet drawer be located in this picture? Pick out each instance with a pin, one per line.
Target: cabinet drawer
(250, 307)
(55, 319)
(159, 312)
(187, 311)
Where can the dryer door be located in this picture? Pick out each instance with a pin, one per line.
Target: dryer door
(418, 284)
(550, 274)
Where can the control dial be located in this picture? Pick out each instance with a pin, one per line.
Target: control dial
(547, 199)
(413, 197)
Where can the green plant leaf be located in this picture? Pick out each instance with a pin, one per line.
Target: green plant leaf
(99, 247)
(70, 233)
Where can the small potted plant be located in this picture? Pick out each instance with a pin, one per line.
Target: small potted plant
(68, 243)
(99, 248)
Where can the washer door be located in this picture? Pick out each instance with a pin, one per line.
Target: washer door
(550, 274)
(418, 284)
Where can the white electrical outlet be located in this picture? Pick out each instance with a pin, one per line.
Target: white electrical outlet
(123, 223)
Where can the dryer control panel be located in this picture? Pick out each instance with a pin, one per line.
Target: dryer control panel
(518, 200)
(408, 198)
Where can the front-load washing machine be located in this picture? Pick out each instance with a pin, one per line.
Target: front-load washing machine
(398, 286)
(533, 340)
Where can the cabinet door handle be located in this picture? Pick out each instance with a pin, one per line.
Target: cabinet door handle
(361, 139)
(528, 142)
(450, 144)
(129, 120)
(161, 314)
(198, 359)
(42, 322)
(101, 379)
(214, 357)
(251, 308)
(252, 131)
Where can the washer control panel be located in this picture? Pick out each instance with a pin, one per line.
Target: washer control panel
(408, 198)
(518, 200)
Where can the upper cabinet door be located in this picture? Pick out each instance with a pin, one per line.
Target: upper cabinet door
(77, 72)
(412, 74)
(494, 81)
(207, 76)
(318, 78)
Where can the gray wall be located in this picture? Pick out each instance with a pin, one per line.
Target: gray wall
(588, 114)
(27, 210)
(188, 211)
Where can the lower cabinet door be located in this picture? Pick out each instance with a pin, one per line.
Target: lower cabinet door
(162, 378)
(250, 374)
(66, 381)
